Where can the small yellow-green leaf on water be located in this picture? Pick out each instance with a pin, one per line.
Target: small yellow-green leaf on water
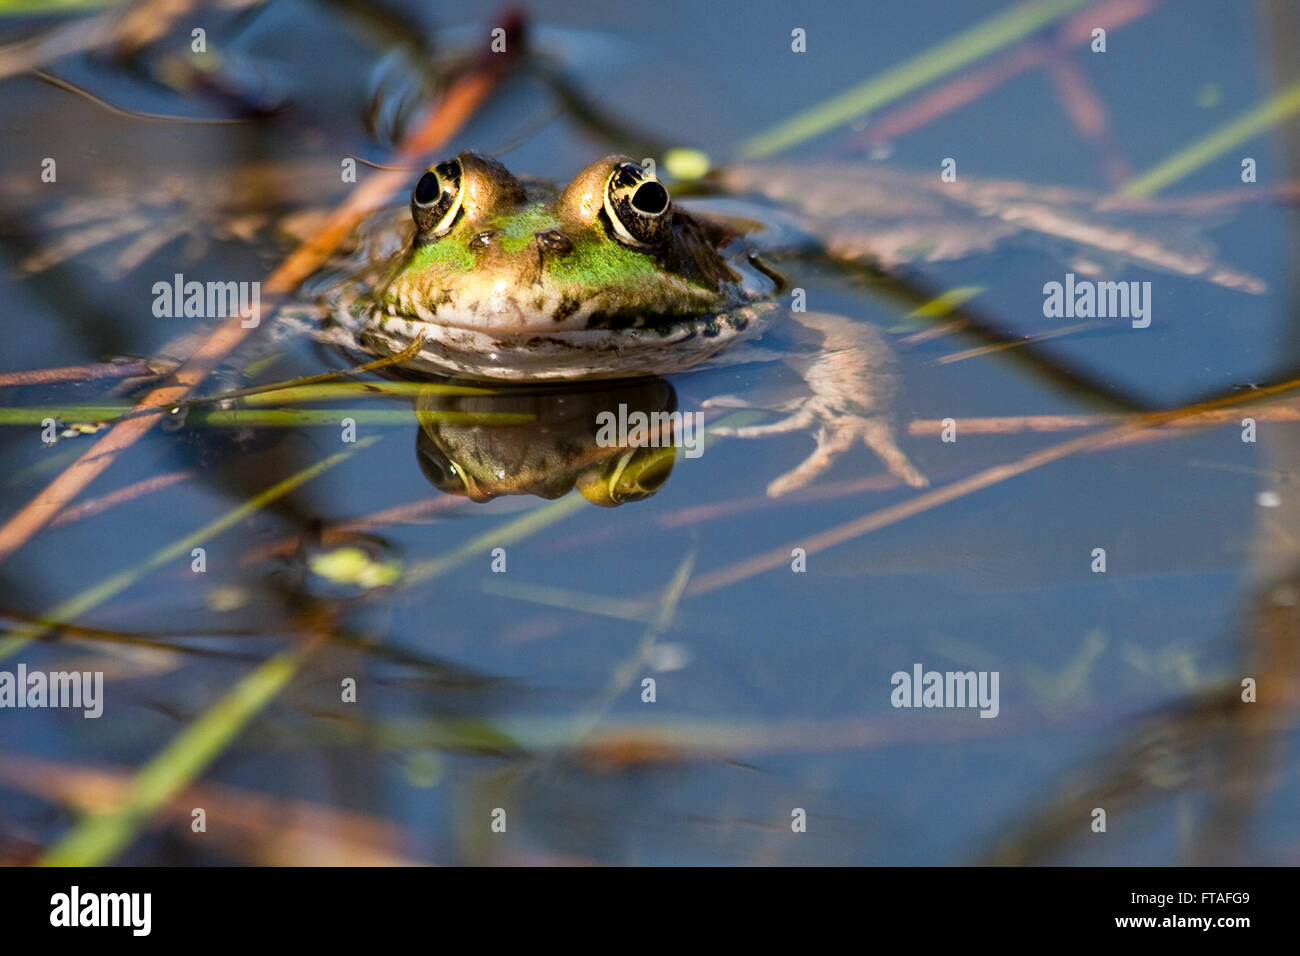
(355, 567)
(226, 598)
(83, 428)
(946, 303)
(380, 575)
(423, 769)
(1209, 95)
(341, 564)
(686, 163)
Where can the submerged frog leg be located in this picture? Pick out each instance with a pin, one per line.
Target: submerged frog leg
(878, 434)
(830, 444)
(838, 434)
(744, 353)
(851, 381)
(804, 418)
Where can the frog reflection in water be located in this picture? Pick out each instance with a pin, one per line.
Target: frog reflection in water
(556, 446)
(519, 282)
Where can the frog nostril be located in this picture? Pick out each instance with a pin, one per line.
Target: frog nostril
(482, 240)
(554, 241)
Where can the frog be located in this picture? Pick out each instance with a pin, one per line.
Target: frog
(515, 280)
(701, 291)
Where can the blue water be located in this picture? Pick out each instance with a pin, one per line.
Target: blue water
(778, 696)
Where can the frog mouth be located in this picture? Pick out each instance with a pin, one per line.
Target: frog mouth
(562, 355)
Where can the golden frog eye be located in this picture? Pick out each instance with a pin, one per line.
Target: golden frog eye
(638, 206)
(436, 200)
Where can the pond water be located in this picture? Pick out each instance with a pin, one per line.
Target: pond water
(461, 686)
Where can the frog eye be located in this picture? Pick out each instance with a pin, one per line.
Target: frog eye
(437, 199)
(637, 206)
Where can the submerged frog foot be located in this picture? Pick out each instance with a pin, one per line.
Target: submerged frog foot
(878, 435)
(836, 433)
(836, 437)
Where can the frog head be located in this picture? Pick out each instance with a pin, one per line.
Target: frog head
(507, 277)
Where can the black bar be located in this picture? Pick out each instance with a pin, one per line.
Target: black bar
(332, 906)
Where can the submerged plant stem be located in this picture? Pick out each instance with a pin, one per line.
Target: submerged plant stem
(100, 836)
(980, 40)
(1213, 145)
(78, 604)
(461, 102)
